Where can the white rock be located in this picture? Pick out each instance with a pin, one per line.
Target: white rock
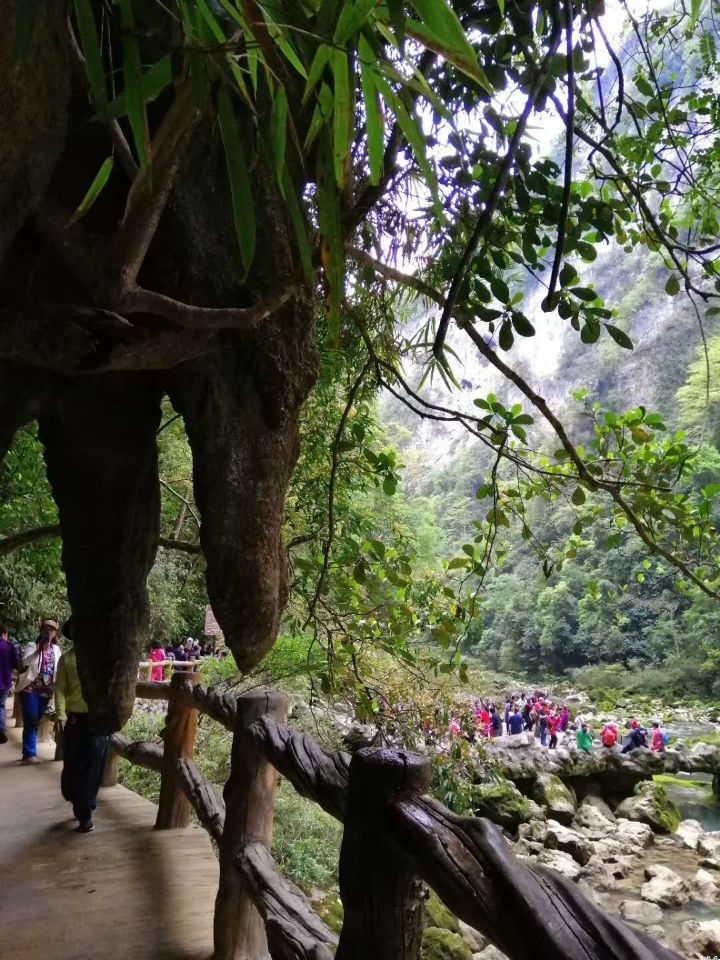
(640, 911)
(709, 845)
(657, 933)
(637, 835)
(563, 838)
(664, 887)
(598, 875)
(490, 953)
(561, 862)
(472, 937)
(690, 832)
(533, 830)
(704, 887)
(592, 822)
(700, 938)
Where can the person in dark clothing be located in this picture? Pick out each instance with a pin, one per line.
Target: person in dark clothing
(636, 739)
(496, 723)
(9, 661)
(527, 716)
(84, 746)
(543, 725)
(515, 722)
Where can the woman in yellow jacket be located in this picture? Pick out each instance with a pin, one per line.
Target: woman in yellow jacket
(84, 748)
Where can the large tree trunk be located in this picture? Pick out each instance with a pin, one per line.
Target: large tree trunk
(100, 448)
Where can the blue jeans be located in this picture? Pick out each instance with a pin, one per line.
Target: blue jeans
(543, 737)
(3, 711)
(34, 706)
(84, 751)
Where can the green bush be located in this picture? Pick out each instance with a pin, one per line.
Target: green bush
(306, 841)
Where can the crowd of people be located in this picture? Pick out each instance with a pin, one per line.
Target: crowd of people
(549, 722)
(42, 671)
(187, 651)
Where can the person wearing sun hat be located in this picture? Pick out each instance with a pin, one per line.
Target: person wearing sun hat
(36, 683)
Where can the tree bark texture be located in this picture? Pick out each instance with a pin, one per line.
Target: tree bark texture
(249, 808)
(101, 454)
(382, 895)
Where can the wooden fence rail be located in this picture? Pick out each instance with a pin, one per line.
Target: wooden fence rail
(396, 839)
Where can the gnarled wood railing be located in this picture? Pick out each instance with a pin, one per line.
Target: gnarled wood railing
(395, 837)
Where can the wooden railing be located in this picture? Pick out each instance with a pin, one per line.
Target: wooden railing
(395, 837)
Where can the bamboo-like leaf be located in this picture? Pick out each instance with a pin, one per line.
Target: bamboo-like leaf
(240, 189)
(94, 190)
(211, 21)
(154, 81)
(332, 249)
(435, 31)
(300, 229)
(352, 17)
(342, 116)
(132, 73)
(695, 6)
(321, 115)
(90, 43)
(374, 119)
(319, 62)
(283, 44)
(278, 132)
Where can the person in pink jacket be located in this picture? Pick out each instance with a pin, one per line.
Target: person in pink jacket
(658, 738)
(157, 655)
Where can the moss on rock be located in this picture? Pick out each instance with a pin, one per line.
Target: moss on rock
(330, 910)
(559, 799)
(438, 944)
(502, 803)
(666, 814)
(438, 915)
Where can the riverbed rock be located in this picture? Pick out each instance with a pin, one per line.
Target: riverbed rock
(490, 952)
(472, 937)
(658, 933)
(593, 822)
(558, 799)
(641, 912)
(690, 832)
(440, 944)
(533, 831)
(502, 802)
(636, 835)
(700, 938)
(704, 886)
(560, 837)
(709, 845)
(664, 887)
(561, 862)
(597, 874)
(651, 805)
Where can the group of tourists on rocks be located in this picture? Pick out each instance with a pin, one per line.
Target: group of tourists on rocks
(550, 722)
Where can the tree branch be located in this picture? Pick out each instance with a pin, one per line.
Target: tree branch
(191, 317)
(51, 531)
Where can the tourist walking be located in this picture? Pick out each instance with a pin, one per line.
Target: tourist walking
(84, 747)
(36, 682)
(9, 661)
(157, 655)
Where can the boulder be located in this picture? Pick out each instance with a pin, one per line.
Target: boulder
(705, 756)
(472, 937)
(597, 802)
(561, 862)
(438, 915)
(658, 933)
(709, 845)
(502, 802)
(490, 953)
(636, 835)
(593, 822)
(559, 837)
(651, 805)
(558, 799)
(439, 944)
(527, 848)
(641, 912)
(597, 874)
(704, 887)
(700, 938)
(664, 887)
(534, 831)
(710, 863)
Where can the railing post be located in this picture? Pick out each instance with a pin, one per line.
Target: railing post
(381, 893)
(249, 808)
(174, 809)
(111, 769)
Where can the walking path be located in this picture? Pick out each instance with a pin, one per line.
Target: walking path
(123, 891)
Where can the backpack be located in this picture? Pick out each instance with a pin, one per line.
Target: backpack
(666, 739)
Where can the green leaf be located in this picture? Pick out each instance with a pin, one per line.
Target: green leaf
(90, 45)
(500, 289)
(590, 332)
(132, 75)
(522, 325)
(373, 113)
(440, 29)
(457, 563)
(331, 250)
(619, 336)
(578, 496)
(672, 286)
(240, 189)
(94, 190)
(317, 67)
(694, 12)
(506, 338)
(389, 486)
(278, 130)
(352, 17)
(154, 81)
(342, 116)
(584, 293)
